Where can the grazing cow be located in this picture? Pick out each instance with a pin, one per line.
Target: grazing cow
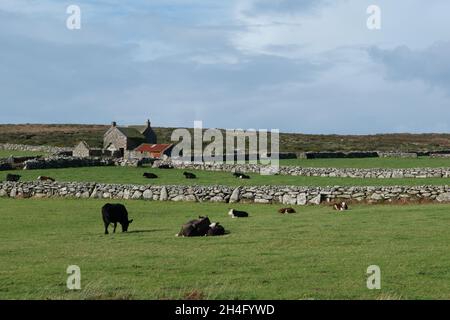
(44, 178)
(237, 214)
(241, 175)
(286, 210)
(115, 213)
(12, 177)
(340, 206)
(150, 175)
(189, 175)
(165, 166)
(215, 229)
(195, 228)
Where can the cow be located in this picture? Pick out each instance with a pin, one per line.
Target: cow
(241, 175)
(44, 178)
(165, 166)
(13, 177)
(195, 228)
(340, 206)
(189, 175)
(286, 210)
(115, 213)
(150, 175)
(237, 214)
(215, 229)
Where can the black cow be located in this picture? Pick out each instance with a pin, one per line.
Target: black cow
(286, 210)
(115, 213)
(189, 175)
(237, 214)
(149, 175)
(195, 228)
(215, 229)
(12, 177)
(241, 175)
(165, 166)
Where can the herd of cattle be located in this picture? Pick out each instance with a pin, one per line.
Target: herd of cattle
(16, 177)
(148, 175)
(190, 175)
(117, 213)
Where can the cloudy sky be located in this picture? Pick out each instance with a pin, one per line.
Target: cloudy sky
(307, 66)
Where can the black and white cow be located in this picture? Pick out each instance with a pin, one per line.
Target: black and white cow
(286, 210)
(189, 175)
(150, 175)
(215, 229)
(340, 206)
(44, 178)
(237, 214)
(12, 177)
(241, 175)
(115, 213)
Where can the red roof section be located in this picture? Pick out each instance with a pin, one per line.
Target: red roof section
(148, 147)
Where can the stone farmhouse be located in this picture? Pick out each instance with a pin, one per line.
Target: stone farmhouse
(126, 142)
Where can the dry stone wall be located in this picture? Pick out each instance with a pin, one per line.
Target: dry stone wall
(289, 195)
(313, 172)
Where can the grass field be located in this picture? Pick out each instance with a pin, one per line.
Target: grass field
(313, 254)
(129, 175)
(397, 163)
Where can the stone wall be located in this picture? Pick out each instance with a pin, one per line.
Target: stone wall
(65, 162)
(314, 172)
(397, 154)
(24, 147)
(289, 195)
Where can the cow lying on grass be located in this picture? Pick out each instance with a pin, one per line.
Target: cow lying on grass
(149, 175)
(241, 175)
(189, 175)
(237, 214)
(12, 177)
(340, 206)
(165, 166)
(200, 227)
(115, 213)
(44, 178)
(286, 210)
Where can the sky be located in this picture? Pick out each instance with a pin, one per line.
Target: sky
(308, 66)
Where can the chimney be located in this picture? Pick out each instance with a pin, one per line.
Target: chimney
(114, 124)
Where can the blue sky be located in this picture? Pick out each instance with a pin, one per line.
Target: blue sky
(307, 66)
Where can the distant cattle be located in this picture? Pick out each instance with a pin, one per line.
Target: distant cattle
(195, 228)
(241, 175)
(165, 166)
(237, 214)
(115, 213)
(150, 175)
(12, 177)
(44, 178)
(340, 206)
(189, 175)
(215, 229)
(286, 210)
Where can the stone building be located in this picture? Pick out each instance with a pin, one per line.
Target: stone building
(82, 150)
(121, 139)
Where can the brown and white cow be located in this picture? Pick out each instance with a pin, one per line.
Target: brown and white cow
(340, 206)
